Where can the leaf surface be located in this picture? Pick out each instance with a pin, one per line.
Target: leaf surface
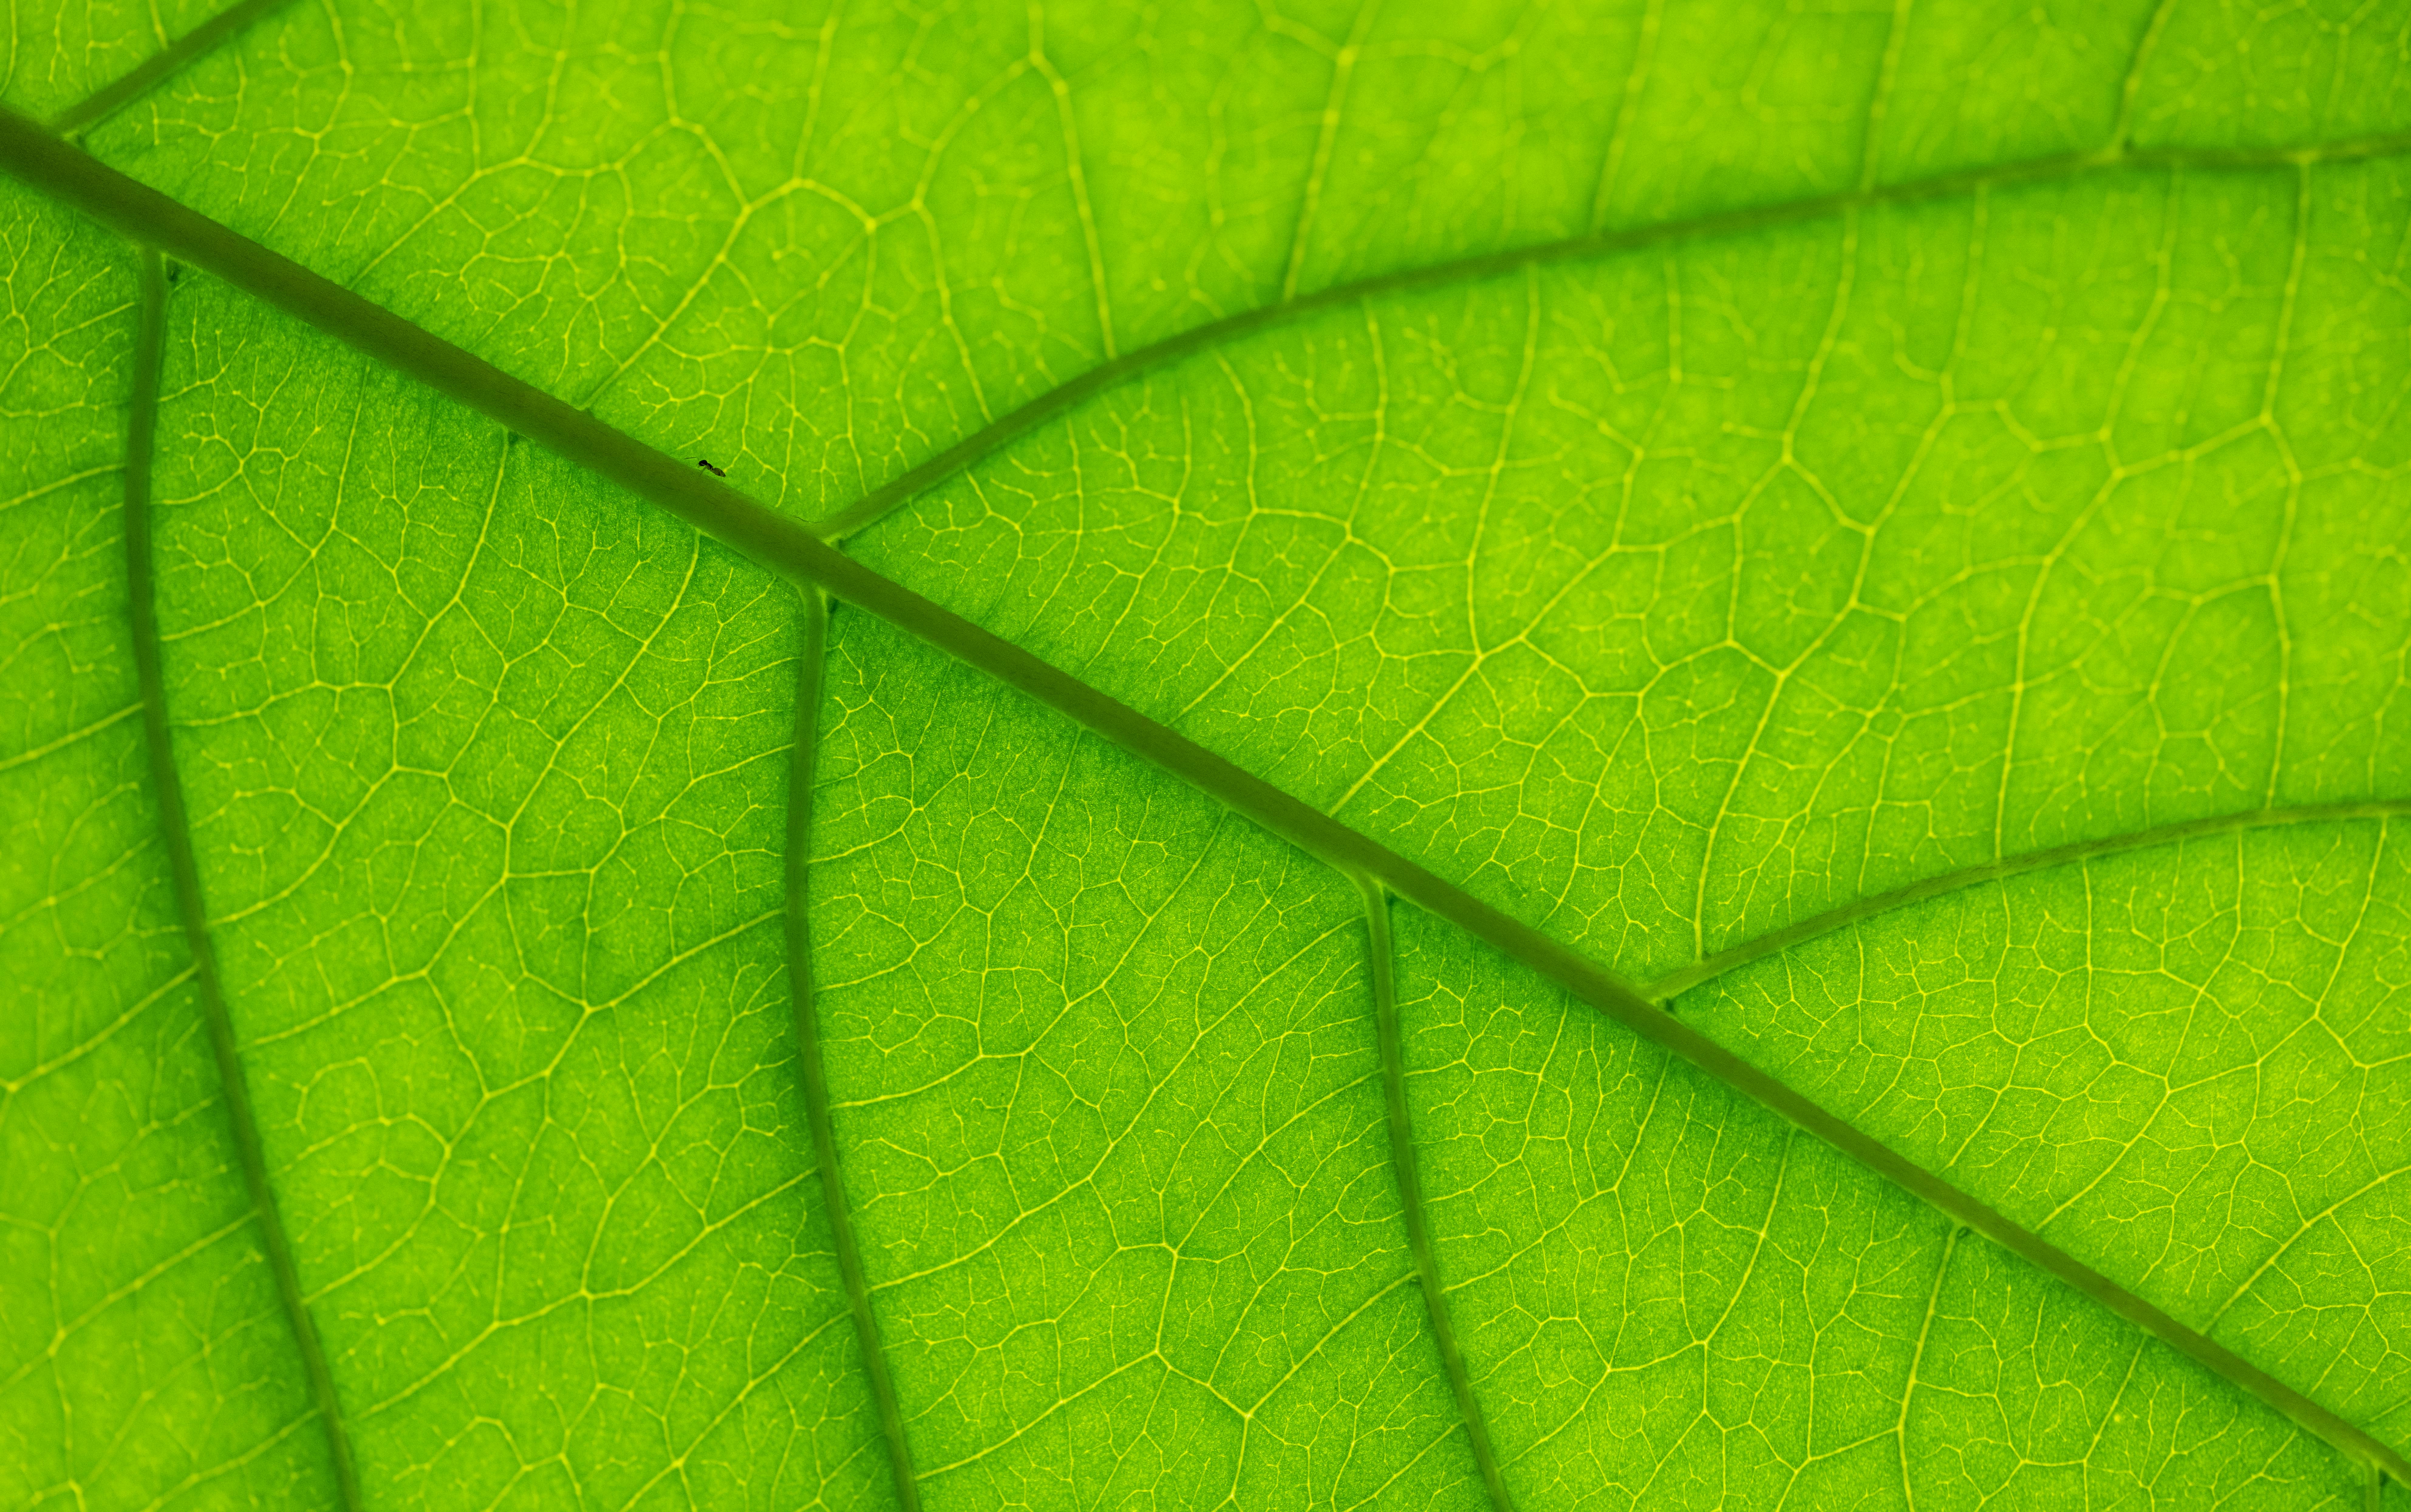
(1881, 529)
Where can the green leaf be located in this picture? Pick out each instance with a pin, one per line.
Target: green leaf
(1372, 548)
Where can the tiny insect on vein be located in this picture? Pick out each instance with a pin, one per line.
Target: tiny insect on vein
(705, 463)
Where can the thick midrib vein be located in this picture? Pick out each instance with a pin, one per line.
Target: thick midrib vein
(809, 674)
(1067, 396)
(142, 428)
(787, 546)
(1382, 956)
(1675, 984)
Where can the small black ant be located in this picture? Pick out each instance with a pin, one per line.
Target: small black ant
(705, 463)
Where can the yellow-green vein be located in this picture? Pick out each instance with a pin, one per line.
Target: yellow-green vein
(784, 544)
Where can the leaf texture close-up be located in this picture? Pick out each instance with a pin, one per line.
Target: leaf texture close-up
(1223, 753)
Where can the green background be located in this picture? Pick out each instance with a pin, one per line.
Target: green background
(1679, 472)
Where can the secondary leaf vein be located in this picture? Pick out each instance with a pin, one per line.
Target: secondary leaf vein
(784, 544)
(176, 831)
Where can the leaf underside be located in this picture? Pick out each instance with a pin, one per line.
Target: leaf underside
(1884, 530)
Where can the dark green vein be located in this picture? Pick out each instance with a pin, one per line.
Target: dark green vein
(141, 429)
(1068, 396)
(43, 161)
(809, 673)
(1382, 956)
(148, 73)
(1675, 984)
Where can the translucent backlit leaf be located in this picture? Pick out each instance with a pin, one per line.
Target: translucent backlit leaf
(1072, 921)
